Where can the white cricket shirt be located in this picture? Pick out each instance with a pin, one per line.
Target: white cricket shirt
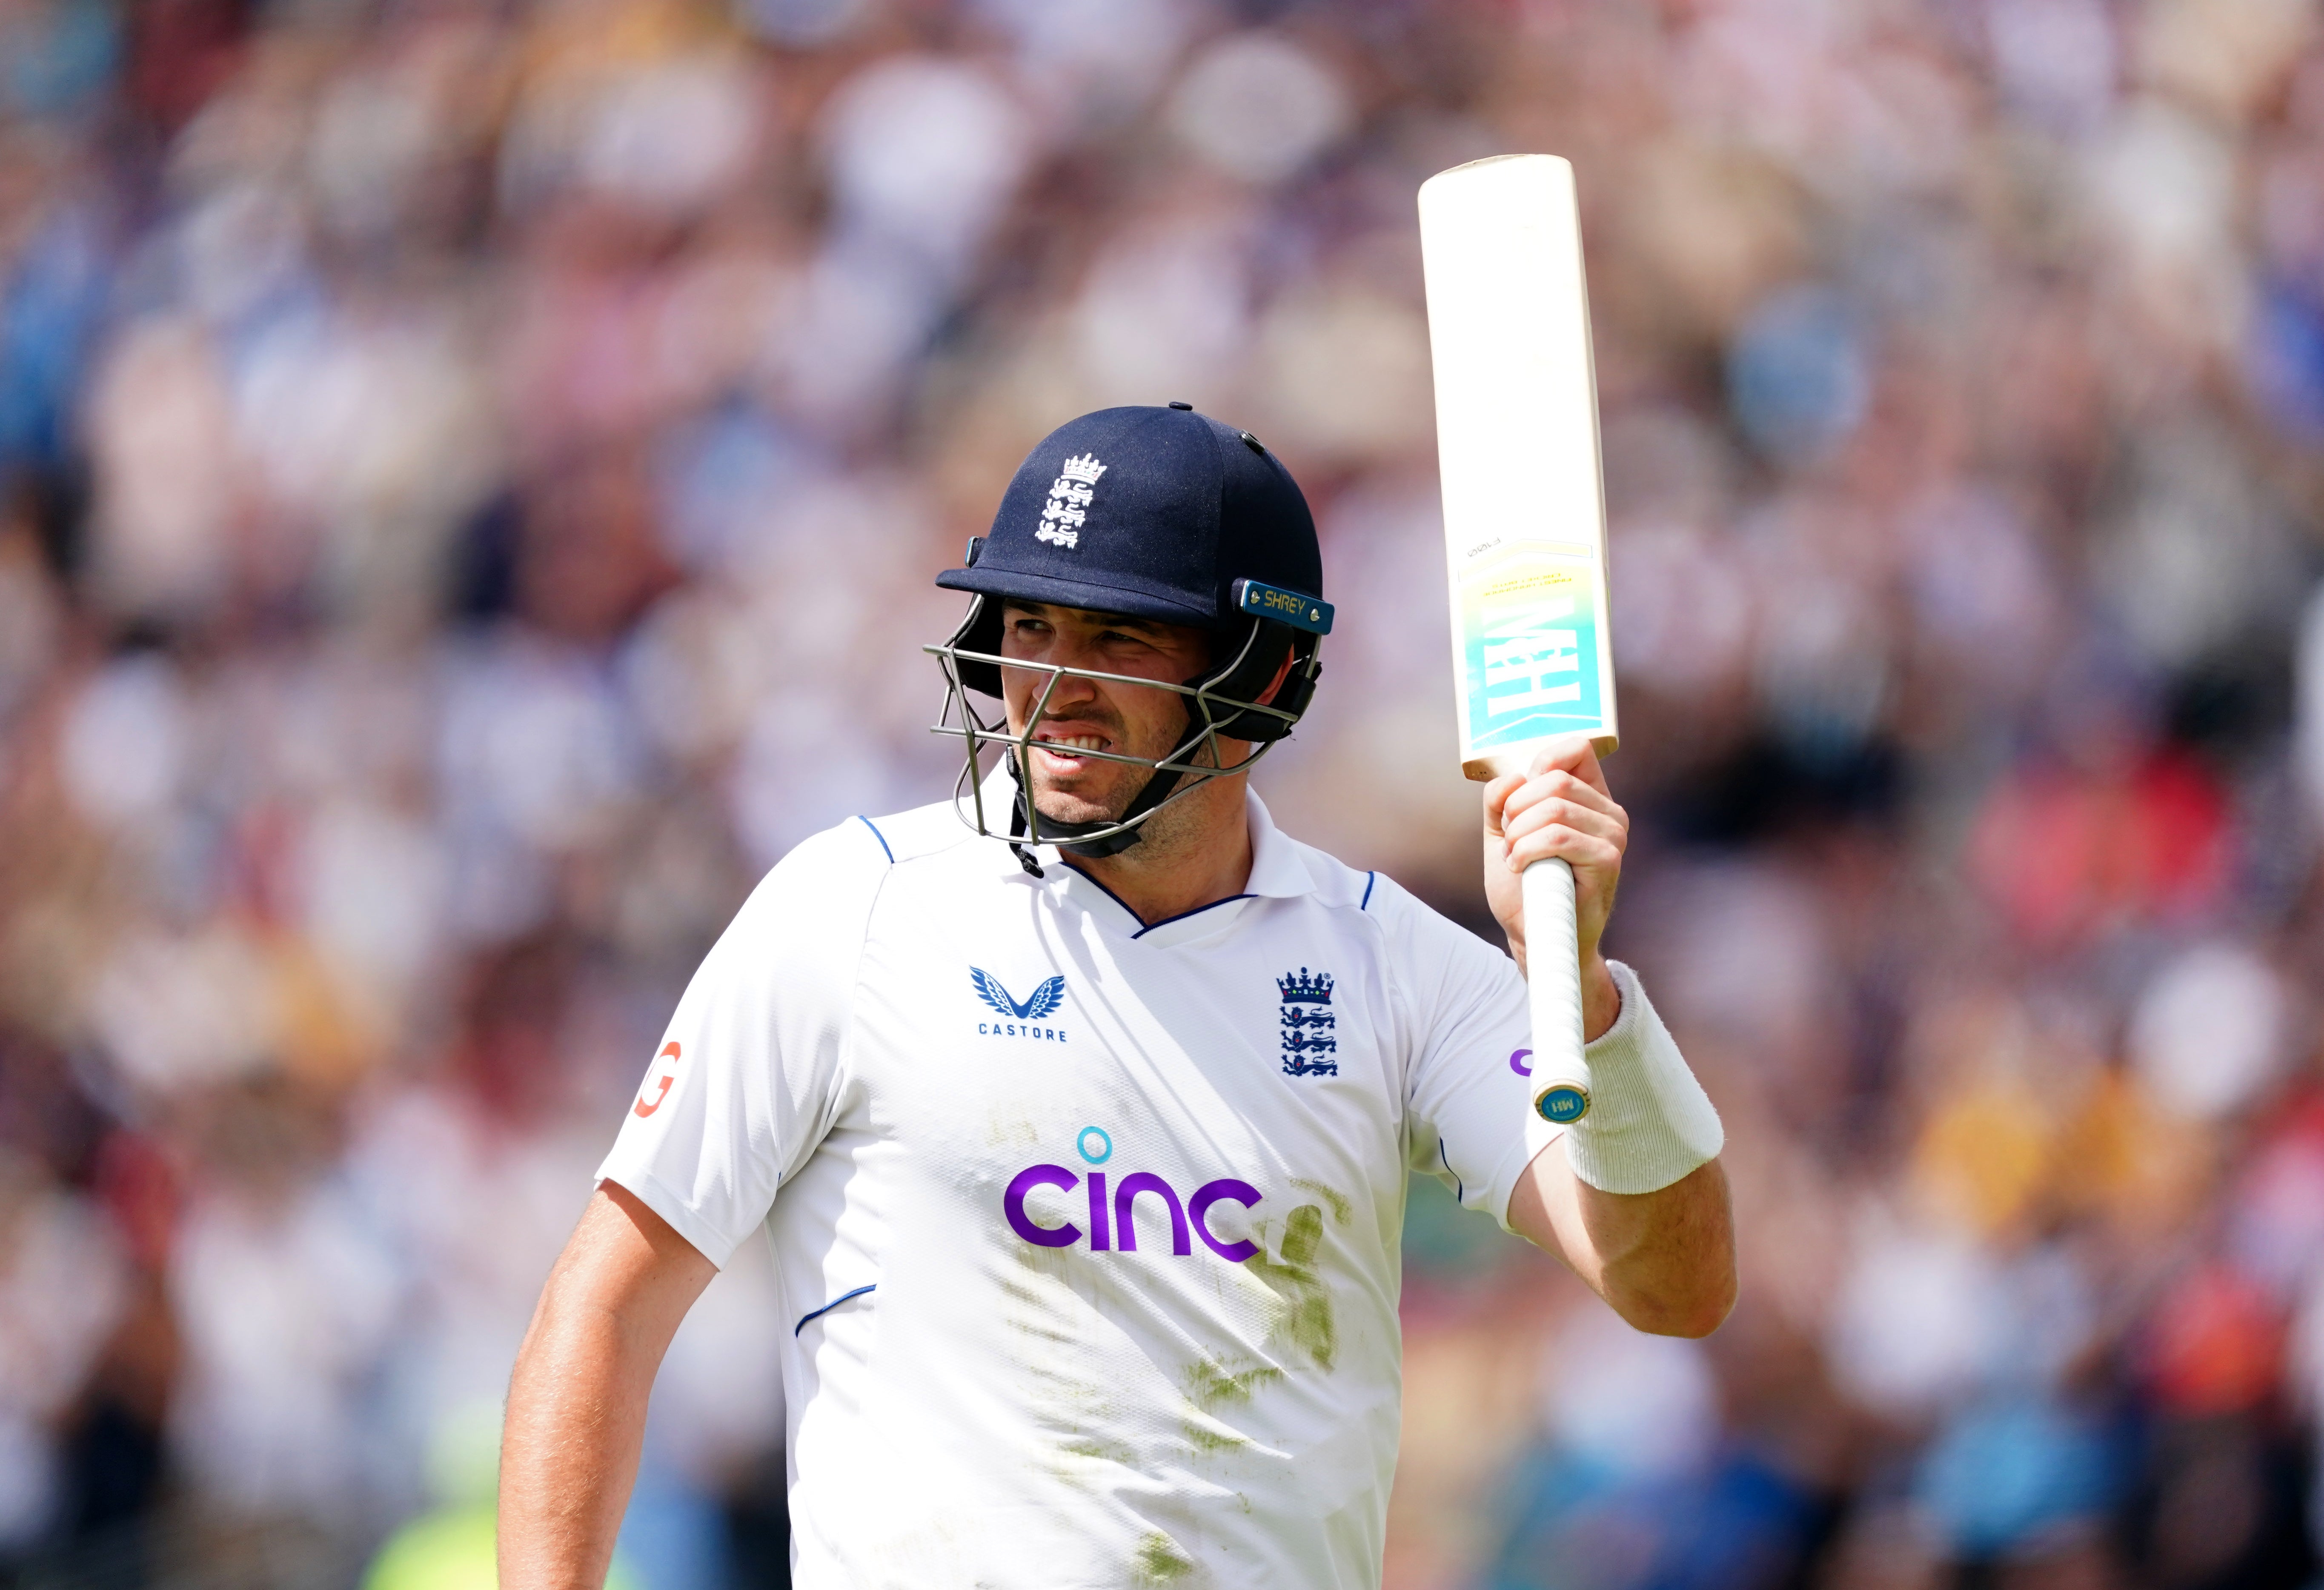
(1087, 1230)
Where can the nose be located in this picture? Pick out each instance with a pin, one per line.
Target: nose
(1070, 692)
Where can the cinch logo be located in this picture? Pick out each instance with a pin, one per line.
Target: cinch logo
(1114, 1219)
(1044, 1000)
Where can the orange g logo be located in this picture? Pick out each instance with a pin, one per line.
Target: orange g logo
(666, 1073)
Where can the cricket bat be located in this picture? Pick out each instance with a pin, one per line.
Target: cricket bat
(1524, 524)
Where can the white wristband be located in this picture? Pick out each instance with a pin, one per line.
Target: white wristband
(1650, 1122)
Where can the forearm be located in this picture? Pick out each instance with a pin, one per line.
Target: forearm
(577, 1405)
(1664, 1260)
(569, 1454)
(1631, 1195)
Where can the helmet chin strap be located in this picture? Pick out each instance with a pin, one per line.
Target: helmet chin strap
(1061, 834)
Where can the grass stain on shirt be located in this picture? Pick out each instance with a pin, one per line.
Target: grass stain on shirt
(1209, 1384)
(1052, 1319)
(1100, 1451)
(1159, 1561)
(1305, 1320)
(1343, 1211)
(1034, 1314)
(1207, 1439)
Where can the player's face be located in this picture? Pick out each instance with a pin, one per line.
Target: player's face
(1082, 715)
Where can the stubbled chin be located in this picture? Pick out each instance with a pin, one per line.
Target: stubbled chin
(1086, 795)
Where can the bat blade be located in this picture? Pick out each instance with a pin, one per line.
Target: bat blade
(1524, 524)
(1516, 438)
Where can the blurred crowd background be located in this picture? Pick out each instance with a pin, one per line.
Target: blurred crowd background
(470, 475)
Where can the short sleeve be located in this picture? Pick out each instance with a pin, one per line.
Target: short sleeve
(1468, 1120)
(744, 1086)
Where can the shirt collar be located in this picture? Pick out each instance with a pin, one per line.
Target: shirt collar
(1276, 869)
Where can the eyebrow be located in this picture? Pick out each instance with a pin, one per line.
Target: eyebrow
(1121, 621)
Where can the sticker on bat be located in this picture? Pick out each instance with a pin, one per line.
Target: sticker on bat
(1529, 627)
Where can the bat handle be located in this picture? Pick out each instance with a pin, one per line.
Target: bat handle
(1561, 1072)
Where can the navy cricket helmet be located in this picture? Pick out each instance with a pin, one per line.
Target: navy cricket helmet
(1152, 513)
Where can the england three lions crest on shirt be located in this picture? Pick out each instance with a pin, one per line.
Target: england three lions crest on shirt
(1310, 1043)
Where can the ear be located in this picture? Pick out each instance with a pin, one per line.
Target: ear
(1283, 671)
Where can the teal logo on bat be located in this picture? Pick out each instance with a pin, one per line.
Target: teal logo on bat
(1563, 1105)
(1529, 655)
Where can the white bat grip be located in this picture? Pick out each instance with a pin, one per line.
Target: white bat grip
(1561, 1072)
